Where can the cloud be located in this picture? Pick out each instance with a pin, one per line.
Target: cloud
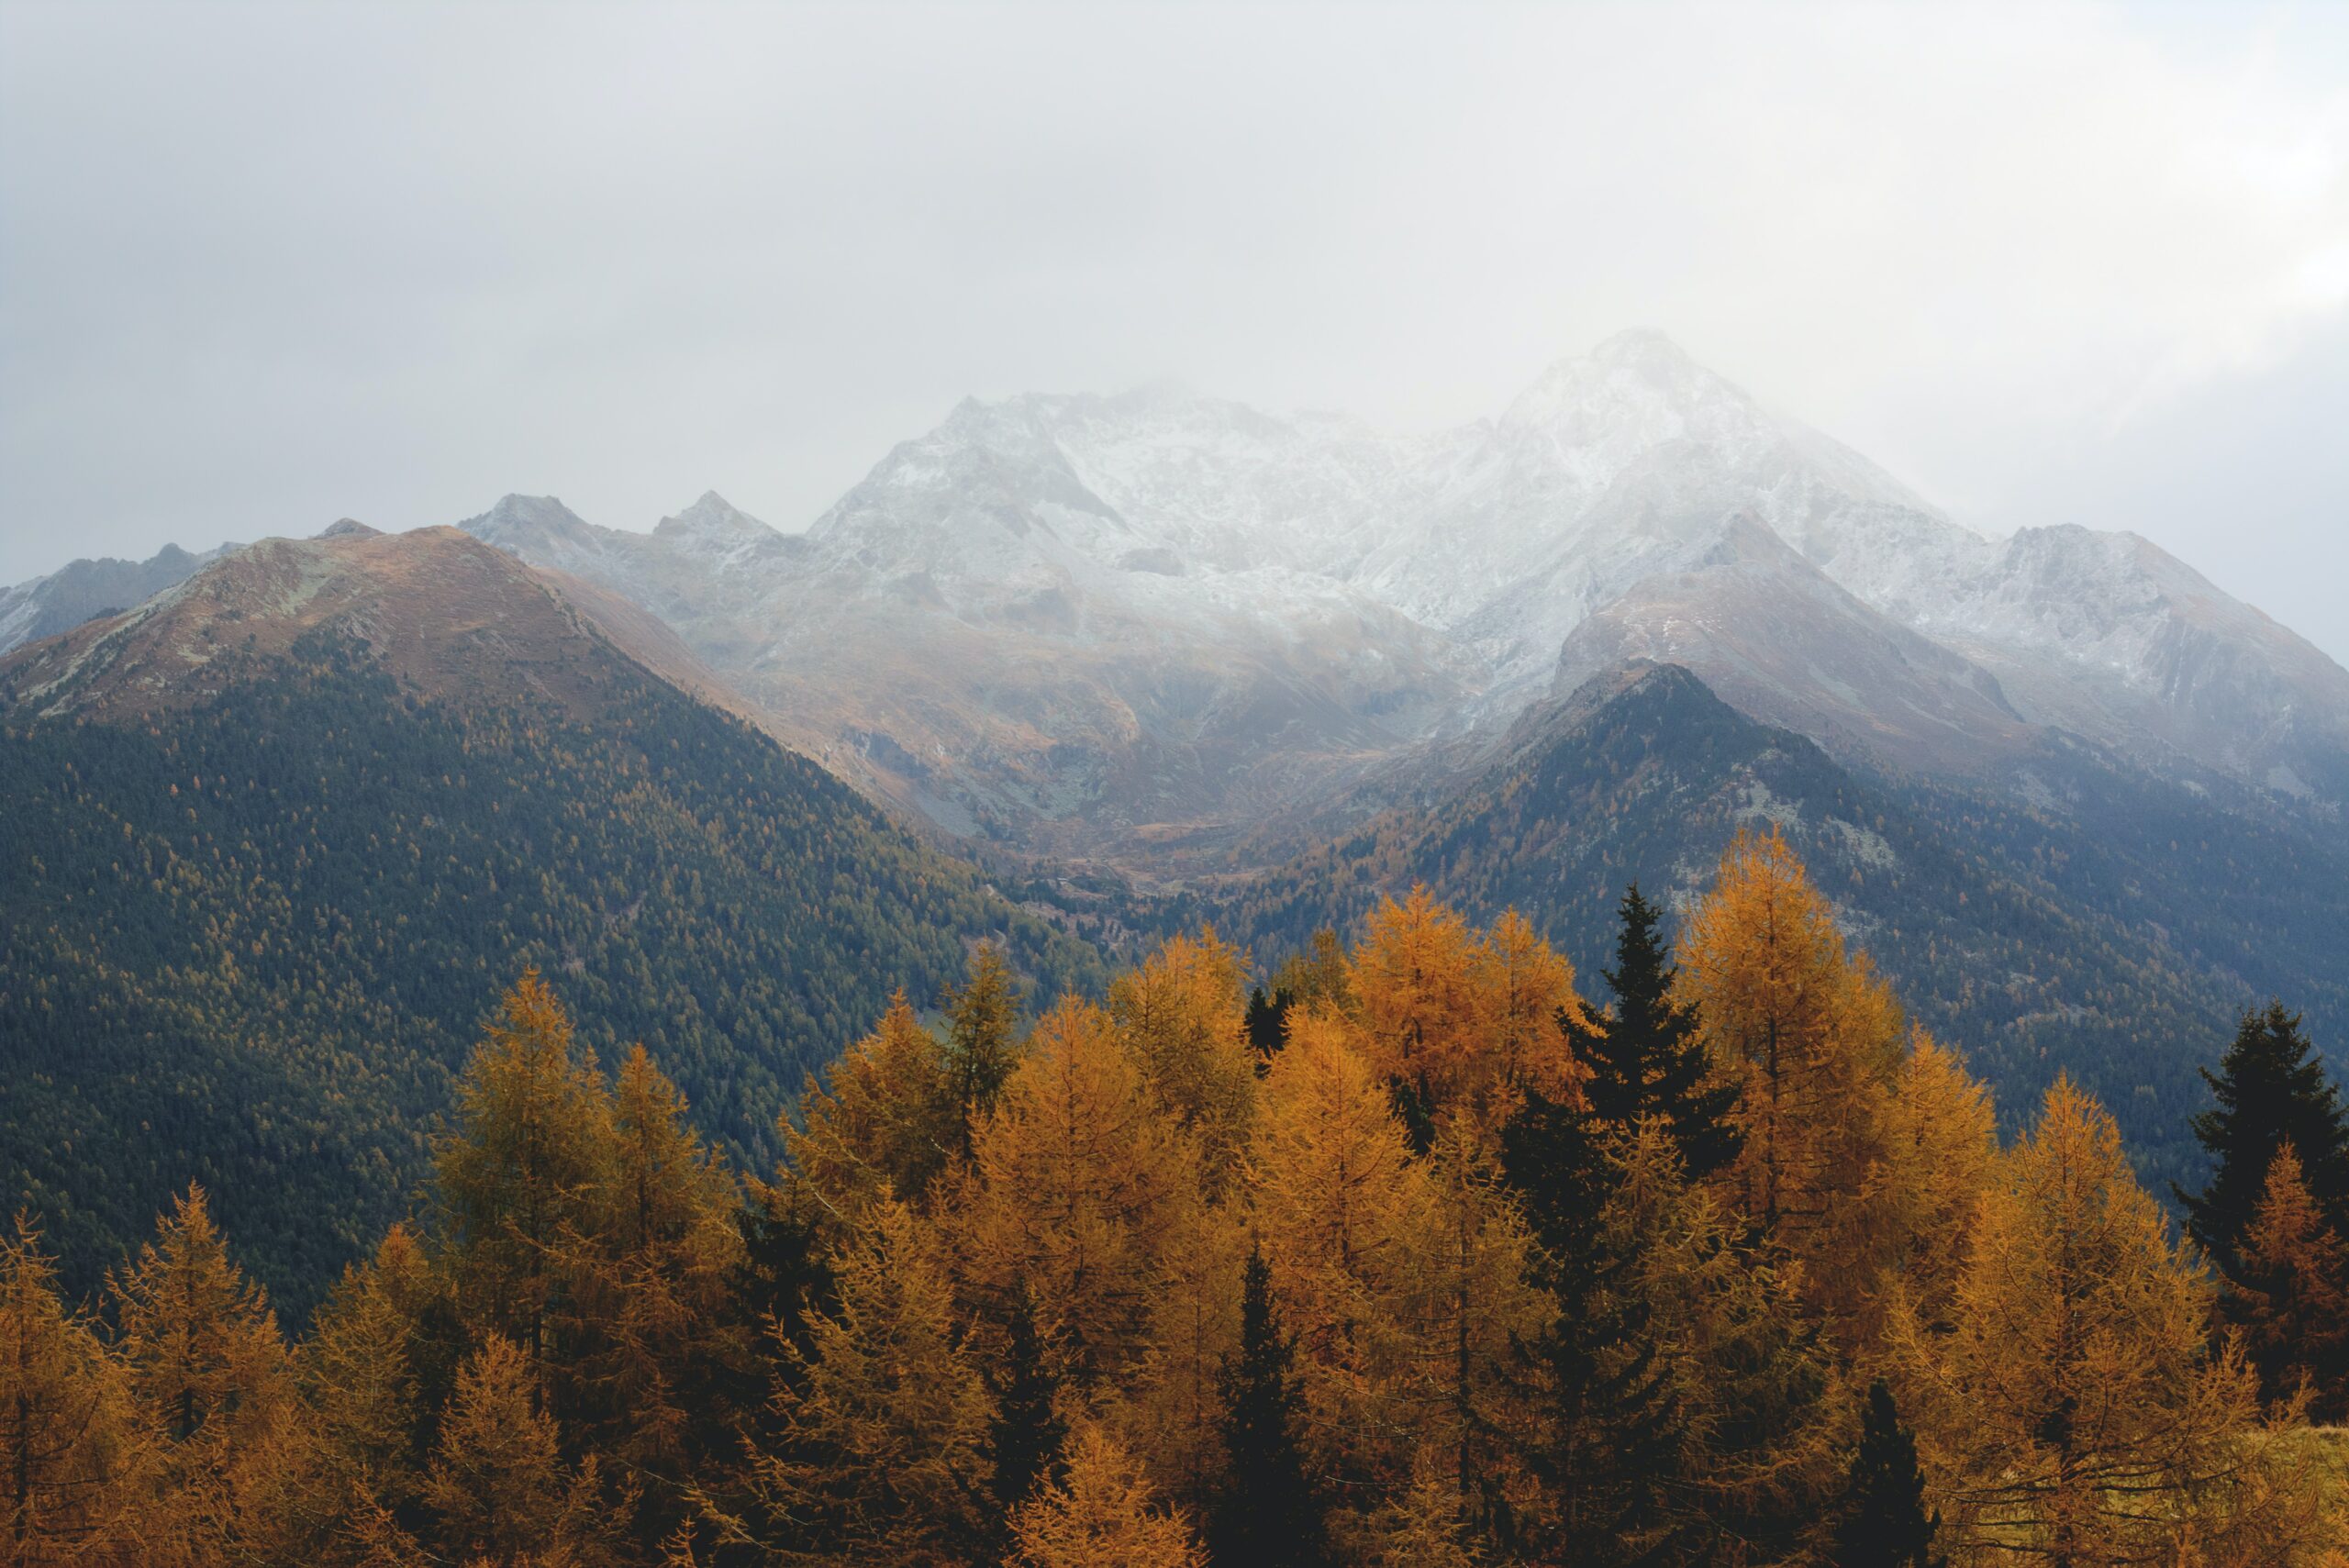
(266, 266)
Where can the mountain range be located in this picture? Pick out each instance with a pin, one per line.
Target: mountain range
(1158, 656)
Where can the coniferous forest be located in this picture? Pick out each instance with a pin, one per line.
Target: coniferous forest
(1423, 1251)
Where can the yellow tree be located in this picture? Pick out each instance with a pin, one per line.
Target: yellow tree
(2292, 1300)
(73, 1457)
(1938, 1158)
(1814, 1040)
(1078, 1181)
(881, 1457)
(1531, 1008)
(884, 1120)
(1174, 1421)
(1344, 1212)
(358, 1371)
(1103, 1515)
(1183, 1015)
(647, 1341)
(497, 1485)
(1425, 1021)
(2076, 1412)
(533, 1131)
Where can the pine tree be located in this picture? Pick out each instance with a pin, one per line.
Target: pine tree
(646, 1349)
(358, 1371)
(1815, 1041)
(1270, 1514)
(1267, 1021)
(1344, 1212)
(981, 1036)
(1606, 1437)
(1025, 1435)
(2271, 1089)
(1647, 1056)
(1181, 1017)
(1883, 1522)
(2292, 1302)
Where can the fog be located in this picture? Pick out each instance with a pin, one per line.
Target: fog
(263, 266)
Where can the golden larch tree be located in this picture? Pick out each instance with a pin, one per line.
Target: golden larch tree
(883, 1120)
(1102, 1515)
(1078, 1180)
(2292, 1301)
(1183, 1016)
(75, 1456)
(2075, 1413)
(1813, 1039)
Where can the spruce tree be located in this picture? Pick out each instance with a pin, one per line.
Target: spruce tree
(2271, 1089)
(1026, 1433)
(1884, 1524)
(1609, 1436)
(1647, 1058)
(1268, 1021)
(1270, 1514)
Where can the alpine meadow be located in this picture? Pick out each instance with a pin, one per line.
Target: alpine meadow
(1496, 953)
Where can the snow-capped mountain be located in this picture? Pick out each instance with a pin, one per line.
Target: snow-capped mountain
(1072, 619)
(1085, 621)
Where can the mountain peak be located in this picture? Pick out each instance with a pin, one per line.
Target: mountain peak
(348, 528)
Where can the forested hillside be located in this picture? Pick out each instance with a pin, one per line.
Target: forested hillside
(2113, 930)
(251, 931)
(1434, 1261)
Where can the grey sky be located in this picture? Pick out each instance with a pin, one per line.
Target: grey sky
(262, 266)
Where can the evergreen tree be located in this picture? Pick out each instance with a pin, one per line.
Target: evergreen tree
(1648, 1057)
(1267, 1020)
(1607, 1435)
(1884, 1524)
(1270, 1514)
(2271, 1089)
(982, 1034)
(1026, 1434)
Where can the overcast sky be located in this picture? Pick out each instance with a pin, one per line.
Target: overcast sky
(266, 266)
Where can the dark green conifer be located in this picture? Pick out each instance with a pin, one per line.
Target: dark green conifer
(1026, 1435)
(1884, 1524)
(1269, 1515)
(1646, 1058)
(1611, 1439)
(1268, 1021)
(2271, 1087)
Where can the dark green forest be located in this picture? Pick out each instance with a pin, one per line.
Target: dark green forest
(249, 943)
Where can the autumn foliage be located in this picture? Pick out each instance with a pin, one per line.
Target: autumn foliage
(1417, 1256)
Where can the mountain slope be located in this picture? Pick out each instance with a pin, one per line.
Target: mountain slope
(2112, 931)
(280, 837)
(81, 589)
